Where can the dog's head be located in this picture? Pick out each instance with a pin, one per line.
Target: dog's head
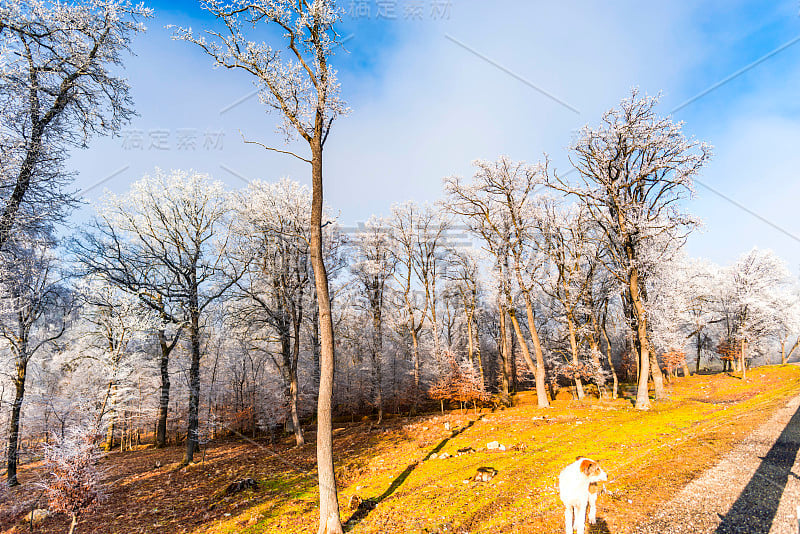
(592, 470)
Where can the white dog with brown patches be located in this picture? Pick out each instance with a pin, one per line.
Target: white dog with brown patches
(577, 486)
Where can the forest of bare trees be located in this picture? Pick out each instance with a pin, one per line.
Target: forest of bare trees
(185, 310)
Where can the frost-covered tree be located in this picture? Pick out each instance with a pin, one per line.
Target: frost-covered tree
(74, 485)
(463, 274)
(112, 322)
(33, 306)
(751, 295)
(58, 88)
(372, 268)
(788, 330)
(634, 170)
(177, 227)
(572, 260)
(419, 235)
(303, 88)
(498, 207)
(272, 277)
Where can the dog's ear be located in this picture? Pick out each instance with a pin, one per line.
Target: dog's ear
(586, 466)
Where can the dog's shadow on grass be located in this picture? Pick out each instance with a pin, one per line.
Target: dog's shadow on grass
(600, 527)
(367, 505)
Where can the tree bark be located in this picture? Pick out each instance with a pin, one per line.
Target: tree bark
(192, 431)
(329, 520)
(112, 424)
(573, 344)
(163, 403)
(377, 349)
(615, 391)
(742, 361)
(642, 392)
(699, 351)
(299, 437)
(504, 351)
(658, 377)
(13, 428)
(294, 386)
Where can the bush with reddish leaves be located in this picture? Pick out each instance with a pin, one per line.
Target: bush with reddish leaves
(460, 382)
(674, 360)
(74, 486)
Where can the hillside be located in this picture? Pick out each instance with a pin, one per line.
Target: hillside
(647, 456)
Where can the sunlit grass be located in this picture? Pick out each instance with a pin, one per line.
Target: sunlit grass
(702, 418)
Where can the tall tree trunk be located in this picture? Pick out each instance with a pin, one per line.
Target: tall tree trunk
(658, 377)
(192, 431)
(294, 387)
(329, 520)
(377, 349)
(415, 355)
(315, 347)
(573, 344)
(742, 362)
(470, 351)
(478, 356)
(299, 437)
(699, 351)
(541, 392)
(642, 392)
(504, 352)
(163, 403)
(13, 428)
(615, 391)
(112, 424)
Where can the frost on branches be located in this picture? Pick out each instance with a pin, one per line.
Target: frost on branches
(57, 89)
(634, 170)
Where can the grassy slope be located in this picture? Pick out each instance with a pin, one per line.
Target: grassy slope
(648, 456)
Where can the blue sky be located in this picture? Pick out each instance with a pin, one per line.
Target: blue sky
(433, 93)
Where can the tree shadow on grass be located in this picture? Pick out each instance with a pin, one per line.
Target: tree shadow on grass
(367, 505)
(600, 527)
(755, 510)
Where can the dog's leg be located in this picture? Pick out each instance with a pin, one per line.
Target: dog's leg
(580, 518)
(568, 519)
(592, 508)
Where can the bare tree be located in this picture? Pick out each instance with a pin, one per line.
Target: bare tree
(272, 234)
(635, 168)
(113, 319)
(304, 90)
(463, 274)
(105, 252)
(57, 89)
(566, 242)
(751, 295)
(33, 306)
(418, 233)
(498, 207)
(176, 226)
(373, 269)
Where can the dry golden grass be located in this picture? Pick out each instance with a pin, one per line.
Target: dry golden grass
(648, 457)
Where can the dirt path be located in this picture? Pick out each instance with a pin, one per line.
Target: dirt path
(754, 489)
